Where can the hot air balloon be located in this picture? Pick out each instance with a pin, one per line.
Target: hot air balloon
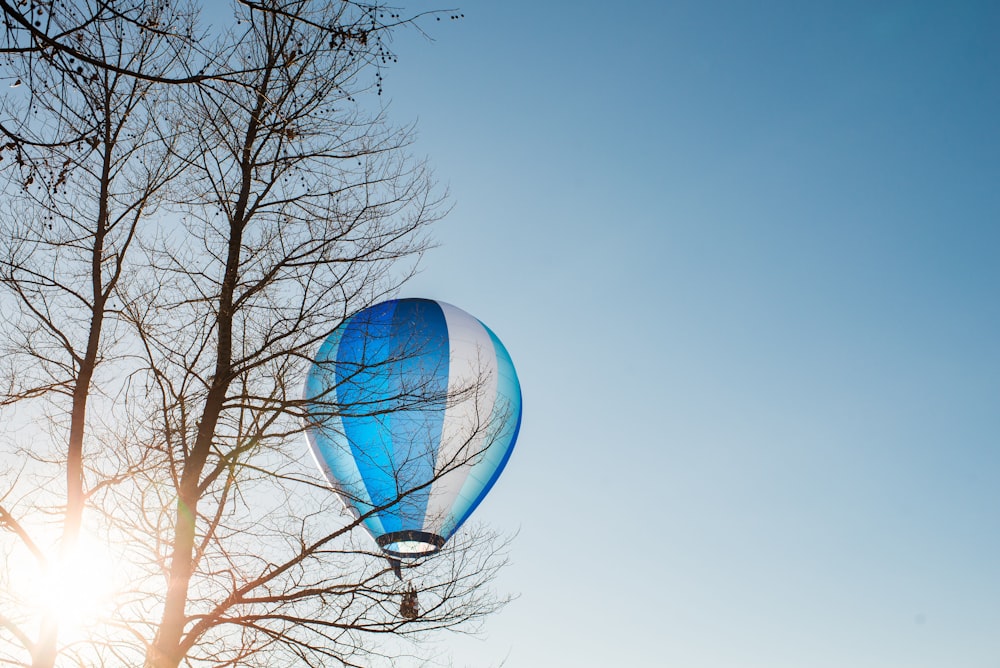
(413, 410)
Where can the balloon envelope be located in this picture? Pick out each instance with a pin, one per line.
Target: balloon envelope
(414, 407)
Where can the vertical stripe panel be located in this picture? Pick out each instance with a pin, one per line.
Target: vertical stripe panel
(419, 375)
(327, 440)
(500, 433)
(472, 387)
(365, 391)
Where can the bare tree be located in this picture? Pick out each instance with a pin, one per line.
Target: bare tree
(88, 170)
(176, 267)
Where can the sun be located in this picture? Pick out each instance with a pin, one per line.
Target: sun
(76, 588)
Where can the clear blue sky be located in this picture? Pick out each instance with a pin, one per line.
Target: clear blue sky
(746, 258)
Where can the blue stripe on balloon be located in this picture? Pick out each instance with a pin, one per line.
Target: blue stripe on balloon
(365, 391)
(328, 438)
(420, 375)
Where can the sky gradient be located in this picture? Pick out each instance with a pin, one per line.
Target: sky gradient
(746, 259)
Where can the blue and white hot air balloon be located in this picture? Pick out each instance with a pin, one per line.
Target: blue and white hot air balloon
(414, 407)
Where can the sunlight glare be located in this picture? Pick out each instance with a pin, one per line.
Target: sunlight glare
(78, 587)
